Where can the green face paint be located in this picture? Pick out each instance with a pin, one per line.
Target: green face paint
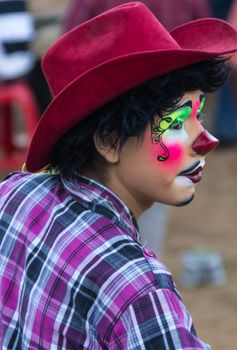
(173, 121)
(202, 102)
(178, 116)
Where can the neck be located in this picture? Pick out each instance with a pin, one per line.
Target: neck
(115, 186)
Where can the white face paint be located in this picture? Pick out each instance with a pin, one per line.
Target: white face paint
(175, 135)
(183, 181)
(163, 167)
(191, 175)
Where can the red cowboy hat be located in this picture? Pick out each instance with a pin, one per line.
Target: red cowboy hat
(110, 54)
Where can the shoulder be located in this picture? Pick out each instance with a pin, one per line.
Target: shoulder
(25, 182)
(35, 204)
(29, 191)
(156, 320)
(124, 274)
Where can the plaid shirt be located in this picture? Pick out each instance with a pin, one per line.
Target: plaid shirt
(73, 274)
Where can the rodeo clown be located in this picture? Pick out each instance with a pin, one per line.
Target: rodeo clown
(123, 131)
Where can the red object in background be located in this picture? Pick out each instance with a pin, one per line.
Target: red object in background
(17, 94)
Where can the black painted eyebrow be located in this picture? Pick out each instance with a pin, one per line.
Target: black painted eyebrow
(190, 103)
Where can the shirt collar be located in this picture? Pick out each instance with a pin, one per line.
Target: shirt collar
(92, 194)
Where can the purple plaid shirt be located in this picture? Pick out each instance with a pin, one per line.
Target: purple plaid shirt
(74, 275)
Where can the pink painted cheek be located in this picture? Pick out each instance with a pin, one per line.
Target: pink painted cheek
(175, 158)
(195, 111)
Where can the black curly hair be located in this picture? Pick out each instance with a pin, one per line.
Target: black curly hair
(128, 114)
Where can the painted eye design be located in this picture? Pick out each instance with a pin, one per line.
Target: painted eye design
(173, 121)
(200, 117)
(176, 125)
(200, 114)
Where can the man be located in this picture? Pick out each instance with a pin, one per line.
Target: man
(170, 13)
(124, 130)
(224, 121)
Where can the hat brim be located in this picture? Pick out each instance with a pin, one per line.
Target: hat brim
(105, 82)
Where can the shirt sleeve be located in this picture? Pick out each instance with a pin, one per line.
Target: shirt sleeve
(158, 320)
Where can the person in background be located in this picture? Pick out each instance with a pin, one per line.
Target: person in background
(17, 59)
(124, 130)
(232, 18)
(171, 13)
(224, 122)
(16, 34)
(220, 9)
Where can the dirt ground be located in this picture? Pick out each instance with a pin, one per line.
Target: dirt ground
(209, 221)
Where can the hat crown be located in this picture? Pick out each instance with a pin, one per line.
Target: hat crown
(118, 32)
(109, 55)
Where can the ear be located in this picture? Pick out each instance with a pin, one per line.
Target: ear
(106, 148)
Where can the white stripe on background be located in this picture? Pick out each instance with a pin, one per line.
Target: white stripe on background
(16, 65)
(16, 27)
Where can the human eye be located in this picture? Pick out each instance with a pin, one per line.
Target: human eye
(176, 125)
(201, 117)
(178, 117)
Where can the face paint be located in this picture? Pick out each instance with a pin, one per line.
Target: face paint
(197, 109)
(142, 179)
(205, 143)
(172, 122)
(202, 102)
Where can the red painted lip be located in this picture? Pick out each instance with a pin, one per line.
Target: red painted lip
(195, 176)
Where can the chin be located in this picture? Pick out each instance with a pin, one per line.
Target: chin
(184, 202)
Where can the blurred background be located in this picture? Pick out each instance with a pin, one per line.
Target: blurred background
(209, 224)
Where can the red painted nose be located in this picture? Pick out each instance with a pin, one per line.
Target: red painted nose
(205, 143)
